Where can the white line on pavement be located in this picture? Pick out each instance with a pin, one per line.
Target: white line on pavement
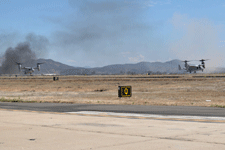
(146, 115)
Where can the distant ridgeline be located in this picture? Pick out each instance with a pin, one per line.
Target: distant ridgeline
(53, 67)
(139, 68)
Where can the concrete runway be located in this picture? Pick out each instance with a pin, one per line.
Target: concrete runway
(53, 126)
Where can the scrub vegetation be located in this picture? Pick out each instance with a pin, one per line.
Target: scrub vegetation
(177, 90)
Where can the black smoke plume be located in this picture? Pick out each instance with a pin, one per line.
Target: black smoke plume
(21, 53)
(27, 52)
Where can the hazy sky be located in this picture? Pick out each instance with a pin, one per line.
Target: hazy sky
(101, 32)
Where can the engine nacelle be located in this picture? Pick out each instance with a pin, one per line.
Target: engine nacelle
(179, 67)
(38, 67)
(203, 65)
(19, 67)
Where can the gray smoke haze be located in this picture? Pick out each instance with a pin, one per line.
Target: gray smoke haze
(199, 39)
(1, 59)
(99, 20)
(101, 29)
(7, 39)
(27, 52)
(39, 44)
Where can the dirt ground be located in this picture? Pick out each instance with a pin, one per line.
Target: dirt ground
(186, 90)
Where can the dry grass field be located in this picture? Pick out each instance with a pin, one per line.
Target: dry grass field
(146, 90)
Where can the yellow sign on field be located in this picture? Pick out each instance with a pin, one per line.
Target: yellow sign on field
(124, 91)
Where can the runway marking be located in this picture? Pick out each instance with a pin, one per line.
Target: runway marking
(134, 116)
(151, 116)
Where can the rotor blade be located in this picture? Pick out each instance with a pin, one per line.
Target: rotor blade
(40, 63)
(18, 63)
(204, 60)
(186, 61)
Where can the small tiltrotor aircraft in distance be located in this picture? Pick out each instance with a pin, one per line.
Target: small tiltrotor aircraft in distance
(195, 68)
(28, 70)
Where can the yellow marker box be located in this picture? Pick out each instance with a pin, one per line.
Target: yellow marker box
(124, 91)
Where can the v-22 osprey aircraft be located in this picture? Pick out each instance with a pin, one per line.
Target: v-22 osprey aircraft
(195, 68)
(28, 70)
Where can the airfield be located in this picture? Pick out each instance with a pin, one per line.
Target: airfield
(166, 90)
(85, 112)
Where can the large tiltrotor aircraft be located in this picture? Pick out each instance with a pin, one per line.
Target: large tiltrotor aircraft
(28, 70)
(195, 68)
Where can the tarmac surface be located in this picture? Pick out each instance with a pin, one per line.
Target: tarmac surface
(52, 126)
(160, 110)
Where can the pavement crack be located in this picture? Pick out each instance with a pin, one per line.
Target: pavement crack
(121, 144)
(177, 139)
(188, 140)
(90, 131)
